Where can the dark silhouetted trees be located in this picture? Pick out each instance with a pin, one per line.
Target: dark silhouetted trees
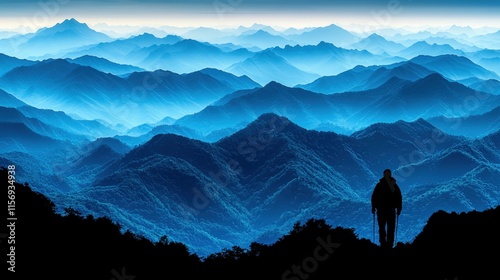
(72, 246)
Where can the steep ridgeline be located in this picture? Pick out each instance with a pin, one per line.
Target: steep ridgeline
(141, 97)
(254, 184)
(314, 248)
(395, 99)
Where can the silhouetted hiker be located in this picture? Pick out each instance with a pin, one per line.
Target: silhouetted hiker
(387, 201)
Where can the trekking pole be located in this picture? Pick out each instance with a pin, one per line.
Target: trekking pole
(373, 227)
(396, 235)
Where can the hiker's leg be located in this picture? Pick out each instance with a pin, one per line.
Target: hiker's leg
(391, 227)
(381, 219)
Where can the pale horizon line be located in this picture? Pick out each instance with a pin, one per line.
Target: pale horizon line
(26, 26)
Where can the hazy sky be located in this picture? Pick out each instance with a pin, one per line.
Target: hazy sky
(364, 14)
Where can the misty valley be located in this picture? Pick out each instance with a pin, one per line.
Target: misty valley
(219, 138)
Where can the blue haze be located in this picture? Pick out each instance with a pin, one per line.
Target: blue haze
(217, 144)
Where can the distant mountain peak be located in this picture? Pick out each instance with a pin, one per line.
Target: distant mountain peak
(444, 57)
(261, 32)
(72, 21)
(334, 27)
(76, 28)
(267, 117)
(55, 62)
(326, 45)
(436, 83)
(268, 55)
(434, 77)
(267, 121)
(71, 24)
(375, 36)
(89, 57)
(421, 44)
(397, 128)
(434, 80)
(193, 44)
(145, 35)
(273, 85)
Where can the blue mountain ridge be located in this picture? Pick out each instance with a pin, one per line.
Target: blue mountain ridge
(247, 185)
(336, 35)
(424, 48)
(8, 63)
(17, 136)
(490, 86)
(377, 44)
(218, 145)
(258, 66)
(327, 59)
(12, 115)
(397, 99)
(454, 67)
(473, 126)
(120, 50)
(364, 78)
(136, 99)
(8, 100)
(91, 129)
(185, 56)
(261, 39)
(337, 248)
(105, 65)
(58, 38)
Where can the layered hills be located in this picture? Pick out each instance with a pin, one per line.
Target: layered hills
(221, 138)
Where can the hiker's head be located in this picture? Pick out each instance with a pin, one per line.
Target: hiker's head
(387, 174)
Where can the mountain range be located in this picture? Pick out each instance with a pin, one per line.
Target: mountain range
(245, 187)
(220, 138)
(140, 97)
(396, 99)
(336, 248)
(49, 41)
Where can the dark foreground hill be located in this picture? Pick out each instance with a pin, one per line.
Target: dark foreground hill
(44, 244)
